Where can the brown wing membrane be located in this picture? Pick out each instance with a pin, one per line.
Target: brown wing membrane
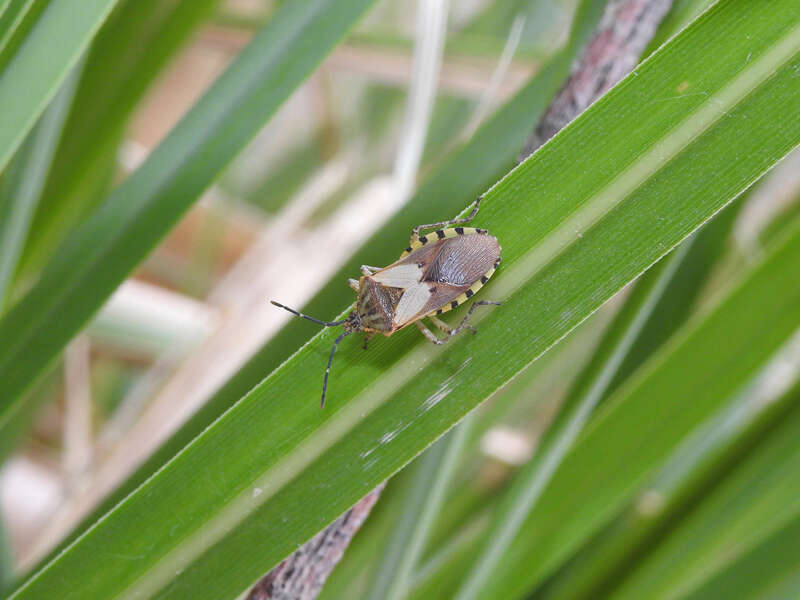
(442, 294)
(421, 256)
(462, 260)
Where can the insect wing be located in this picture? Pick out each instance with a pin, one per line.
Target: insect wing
(461, 261)
(437, 274)
(455, 266)
(411, 304)
(399, 275)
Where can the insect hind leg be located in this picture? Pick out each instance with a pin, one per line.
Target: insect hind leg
(463, 325)
(429, 334)
(446, 328)
(467, 219)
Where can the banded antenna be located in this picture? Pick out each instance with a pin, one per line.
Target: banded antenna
(335, 343)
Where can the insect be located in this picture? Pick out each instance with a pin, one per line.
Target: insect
(437, 272)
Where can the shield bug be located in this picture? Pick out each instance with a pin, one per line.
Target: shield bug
(437, 272)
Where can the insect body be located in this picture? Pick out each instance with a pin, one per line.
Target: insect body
(437, 272)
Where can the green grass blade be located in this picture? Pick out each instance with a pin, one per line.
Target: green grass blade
(671, 145)
(759, 497)
(23, 182)
(41, 64)
(12, 13)
(129, 51)
(433, 474)
(770, 570)
(680, 297)
(98, 256)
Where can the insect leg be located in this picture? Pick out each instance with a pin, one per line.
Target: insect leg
(367, 270)
(367, 338)
(467, 219)
(353, 283)
(463, 325)
(445, 327)
(429, 334)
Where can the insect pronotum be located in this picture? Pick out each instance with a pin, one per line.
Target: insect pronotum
(437, 272)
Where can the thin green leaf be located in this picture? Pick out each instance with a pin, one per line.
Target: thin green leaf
(769, 570)
(98, 256)
(23, 182)
(130, 50)
(12, 14)
(761, 496)
(698, 463)
(432, 476)
(41, 64)
(444, 571)
(590, 211)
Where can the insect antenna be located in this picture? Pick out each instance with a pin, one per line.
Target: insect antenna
(328, 369)
(312, 319)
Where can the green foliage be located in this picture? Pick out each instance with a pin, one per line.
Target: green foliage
(275, 467)
(32, 76)
(669, 470)
(136, 42)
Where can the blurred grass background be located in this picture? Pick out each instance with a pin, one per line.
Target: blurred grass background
(289, 212)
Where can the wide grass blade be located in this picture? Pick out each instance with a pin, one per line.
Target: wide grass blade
(98, 256)
(645, 166)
